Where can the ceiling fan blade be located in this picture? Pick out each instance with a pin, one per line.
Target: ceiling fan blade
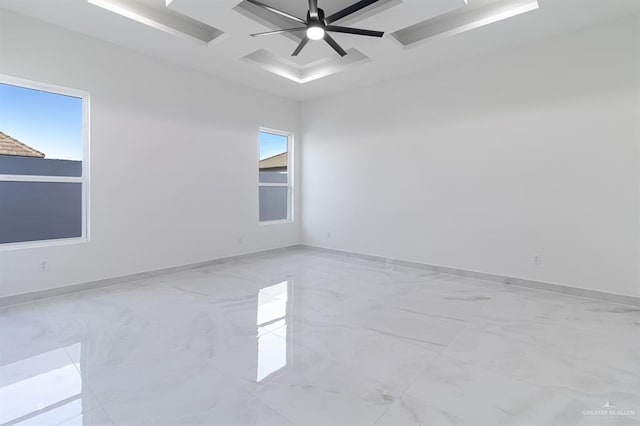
(313, 8)
(279, 12)
(288, 30)
(358, 31)
(349, 10)
(335, 45)
(301, 46)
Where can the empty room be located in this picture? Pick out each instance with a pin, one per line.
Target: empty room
(319, 212)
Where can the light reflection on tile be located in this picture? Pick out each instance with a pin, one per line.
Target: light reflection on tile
(301, 337)
(272, 316)
(45, 388)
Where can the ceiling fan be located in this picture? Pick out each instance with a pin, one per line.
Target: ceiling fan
(318, 26)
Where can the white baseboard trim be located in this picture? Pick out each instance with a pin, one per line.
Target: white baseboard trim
(520, 282)
(109, 282)
(536, 285)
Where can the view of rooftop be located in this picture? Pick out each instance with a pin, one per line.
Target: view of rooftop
(13, 147)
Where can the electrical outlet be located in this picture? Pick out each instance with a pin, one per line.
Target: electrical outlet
(537, 259)
(328, 235)
(44, 265)
(239, 240)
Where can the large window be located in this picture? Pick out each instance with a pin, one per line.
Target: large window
(275, 176)
(43, 163)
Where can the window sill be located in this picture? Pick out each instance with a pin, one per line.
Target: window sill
(46, 243)
(275, 222)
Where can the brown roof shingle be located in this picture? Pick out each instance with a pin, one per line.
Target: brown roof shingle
(278, 161)
(11, 146)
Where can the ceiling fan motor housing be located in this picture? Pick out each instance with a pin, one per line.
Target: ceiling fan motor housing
(318, 26)
(319, 20)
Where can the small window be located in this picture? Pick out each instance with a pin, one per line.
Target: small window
(274, 167)
(43, 167)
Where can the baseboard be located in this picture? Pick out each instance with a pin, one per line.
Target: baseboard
(109, 282)
(536, 285)
(520, 282)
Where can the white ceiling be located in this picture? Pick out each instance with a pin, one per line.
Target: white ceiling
(387, 58)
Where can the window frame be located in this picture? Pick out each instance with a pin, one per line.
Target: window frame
(290, 177)
(84, 179)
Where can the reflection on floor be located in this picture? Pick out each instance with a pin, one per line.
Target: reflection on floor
(45, 388)
(272, 316)
(302, 337)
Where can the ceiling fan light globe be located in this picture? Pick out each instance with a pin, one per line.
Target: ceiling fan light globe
(315, 33)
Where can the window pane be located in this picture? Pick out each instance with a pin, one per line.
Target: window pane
(33, 211)
(12, 165)
(273, 177)
(273, 203)
(41, 133)
(274, 158)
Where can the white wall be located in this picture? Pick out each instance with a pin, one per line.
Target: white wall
(173, 160)
(478, 165)
(481, 165)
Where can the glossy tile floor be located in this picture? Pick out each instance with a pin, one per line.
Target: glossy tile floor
(303, 337)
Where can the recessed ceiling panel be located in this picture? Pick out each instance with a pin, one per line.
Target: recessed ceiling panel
(477, 14)
(154, 13)
(299, 8)
(411, 22)
(304, 73)
(317, 60)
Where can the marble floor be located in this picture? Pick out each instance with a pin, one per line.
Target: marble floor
(304, 337)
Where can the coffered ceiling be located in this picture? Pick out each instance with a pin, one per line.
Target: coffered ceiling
(213, 35)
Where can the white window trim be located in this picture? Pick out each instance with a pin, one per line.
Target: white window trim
(290, 177)
(84, 179)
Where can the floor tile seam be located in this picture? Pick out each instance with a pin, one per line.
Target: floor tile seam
(426, 314)
(242, 383)
(542, 347)
(212, 297)
(543, 387)
(35, 304)
(429, 287)
(110, 420)
(342, 363)
(443, 349)
(481, 320)
(248, 287)
(133, 283)
(538, 290)
(425, 403)
(579, 297)
(422, 371)
(601, 332)
(355, 325)
(585, 299)
(546, 303)
(85, 382)
(504, 374)
(137, 282)
(242, 386)
(107, 327)
(507, 374)
(118, 399)
(46, 317)
(408, 386)
(436, 289)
